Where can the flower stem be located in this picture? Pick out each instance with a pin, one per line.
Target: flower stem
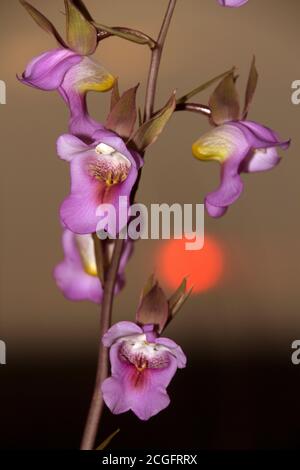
(155, 61)
(194, 107)
(96, 407)
(97, 404)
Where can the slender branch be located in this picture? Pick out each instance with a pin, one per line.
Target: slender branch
(129, 34)
(155, 61)
(194, 107)
(96, 407)
(204, 86)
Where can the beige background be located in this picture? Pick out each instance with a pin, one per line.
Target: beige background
(257, 302)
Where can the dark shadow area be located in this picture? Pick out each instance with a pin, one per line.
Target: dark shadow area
(228, 404)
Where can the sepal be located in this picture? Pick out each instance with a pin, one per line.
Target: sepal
(149, 132)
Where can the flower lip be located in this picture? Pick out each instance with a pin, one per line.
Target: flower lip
(109, 166)
(217, 144)
(137, 351)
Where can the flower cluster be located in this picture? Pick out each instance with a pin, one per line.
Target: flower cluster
(105, 161)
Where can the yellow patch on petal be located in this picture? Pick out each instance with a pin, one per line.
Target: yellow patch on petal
(216, 145)
(86, 250)
(105, 84)
(90, 76)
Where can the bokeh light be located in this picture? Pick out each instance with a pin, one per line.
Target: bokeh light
(204, 268)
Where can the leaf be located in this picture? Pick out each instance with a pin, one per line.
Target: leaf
(115, 95)
(178, 294)
(203, 87)
(81, 33)
(127, 33)
(153, 308)
(224, 102)
(140, 117)
(107, 441)
(149, 132)
(178, 298)
(122, 117)
(83, 9)
(149, 285)
(43, 22)
(251, 87)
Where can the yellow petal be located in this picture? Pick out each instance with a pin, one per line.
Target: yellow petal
(216, 145)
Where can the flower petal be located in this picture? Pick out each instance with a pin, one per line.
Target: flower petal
(260, 160)
(69, 146)
(260, 136)
(229, 190)
(78, 211)
(232, 3)
(48, 70)
(85, 76)
(175, 350)
(70, 276)
(119, 330)
(142, 392)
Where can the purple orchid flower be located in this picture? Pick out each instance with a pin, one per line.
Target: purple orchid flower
(76, 276)
(100, 174)
(232, 3)
(142, 366)
(72, 75)
(240, 147)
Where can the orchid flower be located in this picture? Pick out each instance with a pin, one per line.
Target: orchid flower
(69, 69)
(142, 366)
(77, 275)
(239, 145)
(101, 173)
(72, 75)
(232, 3)
(142, 362)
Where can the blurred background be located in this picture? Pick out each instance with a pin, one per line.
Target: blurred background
(240, 389)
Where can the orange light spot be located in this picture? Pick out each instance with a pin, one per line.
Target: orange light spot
(203, 268)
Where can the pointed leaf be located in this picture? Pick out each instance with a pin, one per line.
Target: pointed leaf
(115, 95)
(122, 117)
(83, 9)
(153, 308)
(224, 102)
(203, 87)
(178, 294)
(148, 286)
(251, 87)
(126, 33)
(178, 298)
(180, 303)
(81, 33)
(43, 22)
(149, 132)
(107, 441)
(140, 114)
